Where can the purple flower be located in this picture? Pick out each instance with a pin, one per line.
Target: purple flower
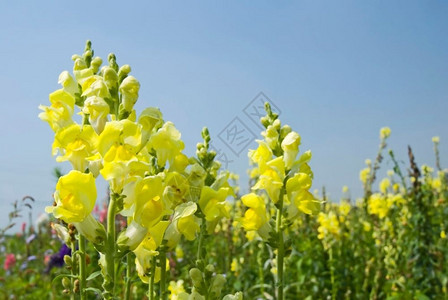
(30, 238)
(57, 259)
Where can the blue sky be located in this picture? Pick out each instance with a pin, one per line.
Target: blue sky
(338, 71)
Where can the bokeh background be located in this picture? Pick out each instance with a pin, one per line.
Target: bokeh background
(337, 70)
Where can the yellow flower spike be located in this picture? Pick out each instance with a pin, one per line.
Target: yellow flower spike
(377, 205)
(129, 89)
(329, 225)
(255, 217)
(344, 208)
(75, 144)
(75, 197)
(98, 110)
(385, 133)
(213, 203)
(384, 185)
(290, 147)
(59, 114)
(167, 143)
(364, 175)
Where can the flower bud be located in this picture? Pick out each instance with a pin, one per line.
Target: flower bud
(284, 131)
(67, 260)
(123, 72)
(91, 229)
(66, 282)
(95, 64)
(110, 77)
(217, 285)
(132, 236)
(62, 232)
(129, 89)
(264, 121)
(384, 133)
(76, 288)
(196, 277)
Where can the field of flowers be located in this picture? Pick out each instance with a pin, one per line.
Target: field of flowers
(178, 227)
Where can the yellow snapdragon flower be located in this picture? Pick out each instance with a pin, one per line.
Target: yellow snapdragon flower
(271, 178)
(329, 225)
(385, 133)
(75, 197)
(167, 144)
(290, 147)
(75, 144)
(255, 217)
(59, 114)
(213, 203)
(378, 205)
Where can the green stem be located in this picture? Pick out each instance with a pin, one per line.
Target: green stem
(333, 284)
(163, 293)
(73, 271)
(127, 291)
(109, 279)
(151, 280)
(260, 268)
(202, 233)
(82, 266)
(281, 246)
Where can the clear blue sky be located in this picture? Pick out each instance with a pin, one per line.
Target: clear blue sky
(338, 70)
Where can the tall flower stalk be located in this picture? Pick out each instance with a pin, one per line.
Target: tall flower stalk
(285, 180)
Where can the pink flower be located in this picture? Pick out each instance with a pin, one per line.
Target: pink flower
(9, 261)
(23, 227)
(103, 213)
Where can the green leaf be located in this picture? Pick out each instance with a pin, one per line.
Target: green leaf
(93, 275)
(95, 290)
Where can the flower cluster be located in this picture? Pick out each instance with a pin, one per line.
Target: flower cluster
(162, 193)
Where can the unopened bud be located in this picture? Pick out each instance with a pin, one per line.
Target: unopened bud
(76, 288)
(123, 72)
(66, 282)
(210, 269)
(284, 131)
(264, 121)
(196, 277)
(67, 260)
(95, 64)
